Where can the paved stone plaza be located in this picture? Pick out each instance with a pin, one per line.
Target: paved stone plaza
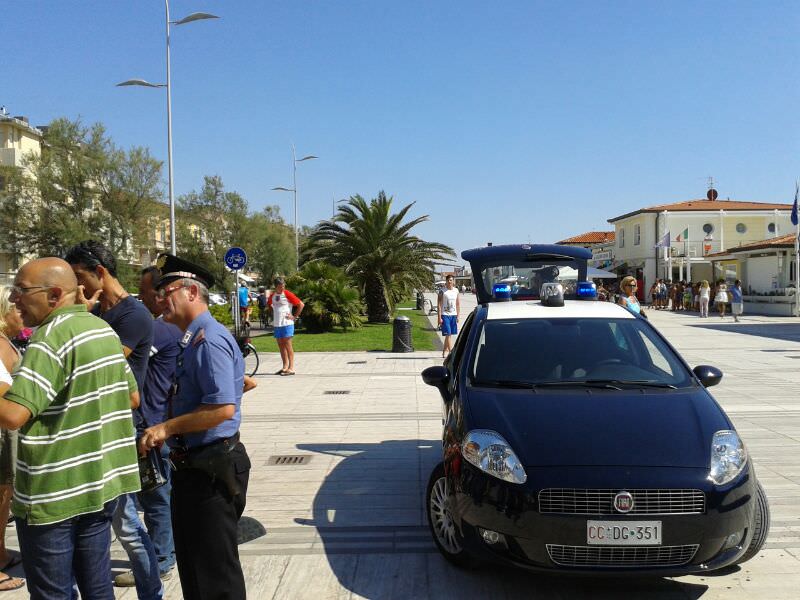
(349, 522)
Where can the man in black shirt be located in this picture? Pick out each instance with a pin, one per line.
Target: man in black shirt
(98, 287)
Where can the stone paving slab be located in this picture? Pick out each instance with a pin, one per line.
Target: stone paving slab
(351, 522)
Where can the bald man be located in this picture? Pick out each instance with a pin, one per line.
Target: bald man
(71, 401)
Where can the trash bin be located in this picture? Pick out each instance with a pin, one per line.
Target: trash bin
(420, 301)
(401, 335)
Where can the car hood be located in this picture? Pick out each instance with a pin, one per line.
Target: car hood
(661, 428)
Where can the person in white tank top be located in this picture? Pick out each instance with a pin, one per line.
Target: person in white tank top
(449, 309)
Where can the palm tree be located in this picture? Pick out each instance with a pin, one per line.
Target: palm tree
(376, 249)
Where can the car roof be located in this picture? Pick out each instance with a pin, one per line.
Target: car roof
(534, 309)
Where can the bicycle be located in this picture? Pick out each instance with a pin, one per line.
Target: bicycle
(262, 317)
(249, 354)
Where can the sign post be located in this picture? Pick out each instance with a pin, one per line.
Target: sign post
(235, 260)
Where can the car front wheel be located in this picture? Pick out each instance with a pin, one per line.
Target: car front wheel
(443, 528)
(760, 526)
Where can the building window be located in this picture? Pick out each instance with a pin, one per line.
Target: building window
(621, 238)
(637, 234)
(741, 228)
(708, 228)
(771, 227)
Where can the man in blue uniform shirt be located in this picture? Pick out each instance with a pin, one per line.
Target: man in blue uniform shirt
(209, 484)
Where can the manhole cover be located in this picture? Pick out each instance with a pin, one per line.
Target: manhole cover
(336, 392)
(288, 459)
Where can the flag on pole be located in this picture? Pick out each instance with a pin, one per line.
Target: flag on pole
(683, 235)
(663, 242)
(795, 220)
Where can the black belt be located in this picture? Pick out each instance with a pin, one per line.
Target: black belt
(214, 459)
(183, 449)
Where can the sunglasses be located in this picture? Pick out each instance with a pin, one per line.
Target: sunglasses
(16, 291)
(164, 292)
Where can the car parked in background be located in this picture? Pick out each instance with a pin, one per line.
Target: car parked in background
(576, 438)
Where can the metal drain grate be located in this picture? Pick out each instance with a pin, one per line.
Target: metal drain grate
(356, 362)
(336, 392)
(288, 459)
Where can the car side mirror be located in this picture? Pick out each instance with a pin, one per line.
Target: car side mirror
(708, 375)
(437, 376)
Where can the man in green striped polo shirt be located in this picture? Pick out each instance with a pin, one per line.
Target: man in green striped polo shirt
(71, 400)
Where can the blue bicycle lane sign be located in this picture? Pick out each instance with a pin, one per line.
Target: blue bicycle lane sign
(235, 258)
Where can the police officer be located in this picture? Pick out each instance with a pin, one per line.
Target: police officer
(211, 466)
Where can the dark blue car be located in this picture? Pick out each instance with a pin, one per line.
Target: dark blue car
(577, 439)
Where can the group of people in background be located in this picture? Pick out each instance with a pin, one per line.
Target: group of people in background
(698, 296)
(119, 406)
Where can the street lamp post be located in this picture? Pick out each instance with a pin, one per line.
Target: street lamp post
(293, 189)
(198, 16)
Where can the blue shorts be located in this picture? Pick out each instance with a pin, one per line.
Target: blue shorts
(286, 331)
(449, 325)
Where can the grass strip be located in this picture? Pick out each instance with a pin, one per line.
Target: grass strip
(368, 337)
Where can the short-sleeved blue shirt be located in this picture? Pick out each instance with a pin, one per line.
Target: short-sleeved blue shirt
(244, 296)
(736, 292)
(210, 371)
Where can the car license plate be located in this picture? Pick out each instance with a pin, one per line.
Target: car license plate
(623, 533)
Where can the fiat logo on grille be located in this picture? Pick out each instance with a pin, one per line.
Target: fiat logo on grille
(623, 502)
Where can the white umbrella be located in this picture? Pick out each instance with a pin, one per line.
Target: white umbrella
(592, 273)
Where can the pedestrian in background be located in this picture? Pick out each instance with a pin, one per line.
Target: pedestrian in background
(705, 297)
(244, 303)
(10, 326)
(628, 297)
(71, 399)
(283, 303)
(449, 306)
(212, 469)
(737, 301)
(102, 293)
(721, 297)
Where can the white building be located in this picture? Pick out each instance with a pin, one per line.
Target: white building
(695, 229)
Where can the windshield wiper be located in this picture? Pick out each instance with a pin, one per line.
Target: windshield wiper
(643, 383)
(603, 384)
(504, 383)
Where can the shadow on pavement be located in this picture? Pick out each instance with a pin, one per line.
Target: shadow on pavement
(370, 517)
(789, 332)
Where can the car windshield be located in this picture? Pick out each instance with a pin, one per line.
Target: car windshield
(526, 281)
(564, 352)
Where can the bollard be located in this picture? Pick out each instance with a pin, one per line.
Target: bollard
(401, 335)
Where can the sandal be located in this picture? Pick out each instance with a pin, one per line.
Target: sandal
(288, 373)
(19, 583)
(281, 372)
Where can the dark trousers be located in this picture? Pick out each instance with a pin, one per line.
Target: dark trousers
(204, 527)
(57, 556)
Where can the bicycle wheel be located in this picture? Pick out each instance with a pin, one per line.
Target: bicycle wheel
(250, 355)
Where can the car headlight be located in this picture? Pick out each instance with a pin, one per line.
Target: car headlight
(728, 457)
(488, 451)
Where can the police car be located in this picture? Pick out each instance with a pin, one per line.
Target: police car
(577, 439)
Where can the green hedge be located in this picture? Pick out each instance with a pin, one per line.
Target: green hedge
(222, 313)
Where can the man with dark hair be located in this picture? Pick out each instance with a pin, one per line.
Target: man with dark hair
(209, 484)
(155, 397)
(99, 289)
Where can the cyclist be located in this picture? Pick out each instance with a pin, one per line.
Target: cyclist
(262, 306)
(244, 303)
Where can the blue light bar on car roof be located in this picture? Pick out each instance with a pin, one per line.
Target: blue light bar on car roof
(586, 290)
(501, 291)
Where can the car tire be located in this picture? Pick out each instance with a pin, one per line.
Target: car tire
(445, 533)
(760, 526)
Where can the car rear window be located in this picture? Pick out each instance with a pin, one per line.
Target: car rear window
(574, 350)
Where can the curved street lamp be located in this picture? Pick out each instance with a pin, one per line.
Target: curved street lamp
(198, 16)
(293, 189)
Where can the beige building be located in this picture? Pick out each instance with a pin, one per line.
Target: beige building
(696, 229)
(17, 138)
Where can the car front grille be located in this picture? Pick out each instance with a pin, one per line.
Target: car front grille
(572, 501)
(605, 556)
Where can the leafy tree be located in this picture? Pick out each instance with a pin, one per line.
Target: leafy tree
(80, 186)
(271, 244)
(211, 221)
(377, 250)
(329, 299)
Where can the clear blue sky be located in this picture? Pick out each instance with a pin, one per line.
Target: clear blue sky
(504, 121)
